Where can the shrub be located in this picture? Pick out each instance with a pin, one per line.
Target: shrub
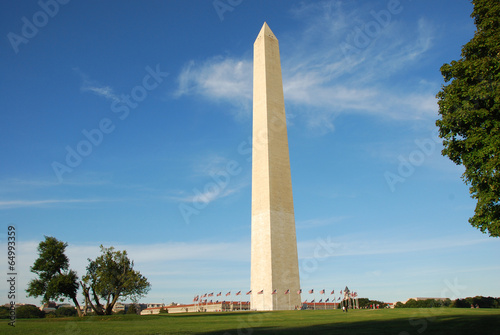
(66, 311)
(29, 312)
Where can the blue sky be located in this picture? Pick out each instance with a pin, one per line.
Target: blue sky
(128, 124)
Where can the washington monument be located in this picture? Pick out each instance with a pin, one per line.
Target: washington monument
(274, 264)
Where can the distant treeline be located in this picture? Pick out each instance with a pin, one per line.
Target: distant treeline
(470, 302)
(33, 312)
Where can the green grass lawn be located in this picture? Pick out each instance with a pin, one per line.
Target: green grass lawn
(395, 321)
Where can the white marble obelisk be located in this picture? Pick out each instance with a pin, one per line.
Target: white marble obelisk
(274, 261)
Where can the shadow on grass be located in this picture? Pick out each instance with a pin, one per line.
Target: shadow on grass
(457, 324)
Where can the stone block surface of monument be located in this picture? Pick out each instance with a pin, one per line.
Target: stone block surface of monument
(274, 260)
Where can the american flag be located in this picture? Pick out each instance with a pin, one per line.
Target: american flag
(196, 298)
(210, 301)
(274, 292)
(313, 300)
(260, 292)
(204, 296)
(228, 293)
(320, 300)
(249, 292)
(327, 299)
(340, 292)
(238, 293)
(322, 291)
(211, 294)
(338, 298)
(219, 294)
(311, 291)
(287, 291)
(299, 291)
(333, 291)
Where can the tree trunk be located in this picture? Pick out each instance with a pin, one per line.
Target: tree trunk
(98, 309)
(77, 305)
(109, 307)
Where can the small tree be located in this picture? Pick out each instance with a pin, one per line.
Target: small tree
(111, 277)
(54, 280)
(132, 309)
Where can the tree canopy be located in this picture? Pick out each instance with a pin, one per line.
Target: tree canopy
(54, 280)
(470, 115)
(111, 277)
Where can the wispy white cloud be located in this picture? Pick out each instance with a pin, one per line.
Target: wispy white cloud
(219, 78)
(103, 91)
(216, 177)
(209, 165)
(319, 222)
(89, 85)
(369, 246)
(5, 204)
(205, 197)
(87, 179)
(209, 193)
(322, 80)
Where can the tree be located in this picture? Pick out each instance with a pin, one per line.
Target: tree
(111, 277)
(470, 115)
(4, 312)
(132, 309)
(54, 280)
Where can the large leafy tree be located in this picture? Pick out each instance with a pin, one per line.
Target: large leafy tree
(469, 106)
(111, 277)
(55, 280)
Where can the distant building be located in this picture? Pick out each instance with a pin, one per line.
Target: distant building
(151, 310)
(218, 306)
(65, 305)
(420, 298)
(155, 305)
(118, 307)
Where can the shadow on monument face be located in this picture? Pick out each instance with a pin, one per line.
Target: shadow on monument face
(444, 324)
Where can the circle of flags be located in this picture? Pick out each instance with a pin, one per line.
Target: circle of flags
(343, 295)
